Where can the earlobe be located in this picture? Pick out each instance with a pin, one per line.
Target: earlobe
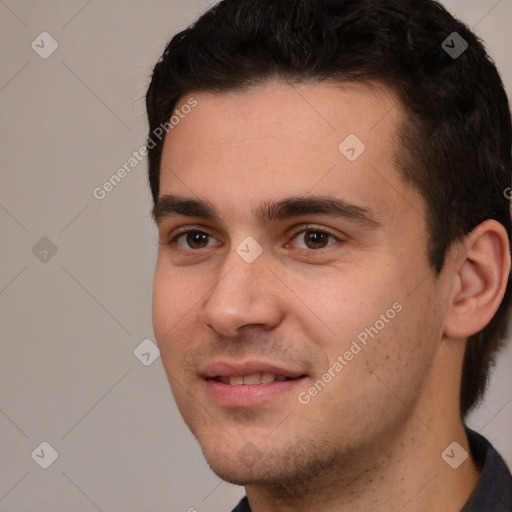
(480, 280)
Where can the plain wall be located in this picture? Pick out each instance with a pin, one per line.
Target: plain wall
(70, 324)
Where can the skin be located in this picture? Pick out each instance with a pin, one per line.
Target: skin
(372, 438)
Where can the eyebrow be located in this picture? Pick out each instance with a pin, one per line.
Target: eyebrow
(169, 205)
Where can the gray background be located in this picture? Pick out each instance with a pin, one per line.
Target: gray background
(71, 322)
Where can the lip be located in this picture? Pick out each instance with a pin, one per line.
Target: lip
(231, 369)
(227, 395)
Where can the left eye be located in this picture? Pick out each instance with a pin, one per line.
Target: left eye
(315, 239)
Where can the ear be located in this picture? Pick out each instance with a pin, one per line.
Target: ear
(480, 279)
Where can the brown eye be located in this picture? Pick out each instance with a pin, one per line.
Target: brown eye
(196, 239)
(314, 239)
(193, 240)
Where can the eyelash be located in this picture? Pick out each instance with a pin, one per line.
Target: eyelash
(303, 229)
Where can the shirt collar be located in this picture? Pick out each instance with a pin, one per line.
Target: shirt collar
(494, 488)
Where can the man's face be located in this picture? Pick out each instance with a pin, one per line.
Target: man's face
(260, 291)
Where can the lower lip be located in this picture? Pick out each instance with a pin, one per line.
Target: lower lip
(227, 395)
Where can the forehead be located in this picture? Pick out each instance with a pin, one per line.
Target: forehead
(279, 116)
(278, 140)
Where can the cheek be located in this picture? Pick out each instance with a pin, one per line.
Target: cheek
(355, 307)
(169, 317)
(174, 298)
(379, 329)
(176, 304)
(163, 312)
(399, 357)
(381, 378)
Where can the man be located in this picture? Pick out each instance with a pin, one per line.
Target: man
(333, 275)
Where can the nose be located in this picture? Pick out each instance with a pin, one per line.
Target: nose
(245, 294)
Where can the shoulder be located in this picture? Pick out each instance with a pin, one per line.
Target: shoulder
(494, 488)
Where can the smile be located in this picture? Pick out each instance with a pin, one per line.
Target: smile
(251, 380)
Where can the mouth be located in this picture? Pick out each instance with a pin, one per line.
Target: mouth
(249, 384)
(252, 380)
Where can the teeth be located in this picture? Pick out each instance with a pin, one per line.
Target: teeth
(251, 380)
(267, 377)
(255, 378)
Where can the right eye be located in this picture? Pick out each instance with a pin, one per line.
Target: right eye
(192, 240)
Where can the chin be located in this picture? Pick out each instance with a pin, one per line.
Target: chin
(289, 466)
(234, 475)
(243, 464)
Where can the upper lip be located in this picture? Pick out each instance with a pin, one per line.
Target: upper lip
(233, 369)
